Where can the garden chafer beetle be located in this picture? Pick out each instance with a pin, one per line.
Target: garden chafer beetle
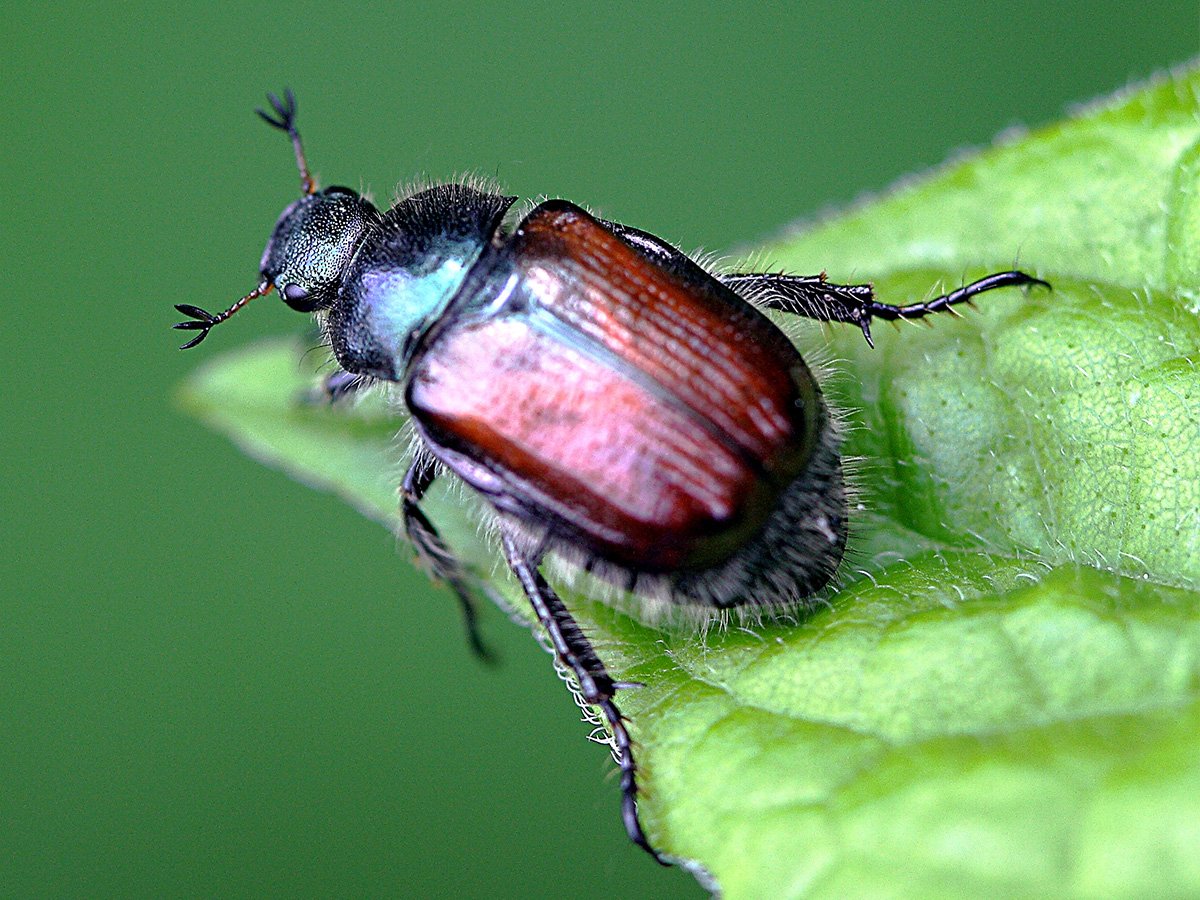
(617, 405)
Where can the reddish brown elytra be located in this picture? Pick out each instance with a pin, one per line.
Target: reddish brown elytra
(656, 461)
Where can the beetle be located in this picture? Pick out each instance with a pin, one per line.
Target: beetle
(618, 406)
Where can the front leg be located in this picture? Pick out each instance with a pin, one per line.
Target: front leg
(597, 687)
(813, 297)
(335, 388)
(433, 553)
(341, 384)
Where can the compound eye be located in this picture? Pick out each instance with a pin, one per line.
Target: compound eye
(297, 298)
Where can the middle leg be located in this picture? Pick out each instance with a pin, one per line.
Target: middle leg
(433, 553)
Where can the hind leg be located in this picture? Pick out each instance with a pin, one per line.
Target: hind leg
(813, 297)
(598, 688)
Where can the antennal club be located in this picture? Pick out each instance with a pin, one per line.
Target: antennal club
(203, 321)
(285, 120)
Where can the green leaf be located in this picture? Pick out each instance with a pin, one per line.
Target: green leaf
(1004, 695)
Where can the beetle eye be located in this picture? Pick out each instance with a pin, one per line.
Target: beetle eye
(297, 298)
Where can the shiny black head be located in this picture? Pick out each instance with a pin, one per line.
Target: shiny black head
(312, 243)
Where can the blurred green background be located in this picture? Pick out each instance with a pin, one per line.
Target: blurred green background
(214, 681)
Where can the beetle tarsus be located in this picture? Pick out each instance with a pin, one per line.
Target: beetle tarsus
(629, 791)
(866, 330)
(964, 294)
(435, 555)
(597, 687)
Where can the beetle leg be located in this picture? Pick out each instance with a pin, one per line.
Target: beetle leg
(337, 386)
(434, 554)
(343, 384)
(597, 687)
(813, 297)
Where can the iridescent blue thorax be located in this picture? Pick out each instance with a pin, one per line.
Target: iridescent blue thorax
(381, 306)
(404, 273)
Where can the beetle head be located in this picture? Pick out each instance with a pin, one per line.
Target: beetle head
(312, 245)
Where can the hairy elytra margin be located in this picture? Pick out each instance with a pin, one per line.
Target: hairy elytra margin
(617, 405)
